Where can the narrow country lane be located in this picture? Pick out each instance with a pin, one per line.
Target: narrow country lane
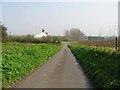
(61, 71)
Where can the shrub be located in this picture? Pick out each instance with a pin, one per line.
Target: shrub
(100, 64)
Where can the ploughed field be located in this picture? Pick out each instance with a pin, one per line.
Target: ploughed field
(19, 59)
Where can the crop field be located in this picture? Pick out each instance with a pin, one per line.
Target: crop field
(20, 59)
(100, 64)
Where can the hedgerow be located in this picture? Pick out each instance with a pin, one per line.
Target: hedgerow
(100, 64)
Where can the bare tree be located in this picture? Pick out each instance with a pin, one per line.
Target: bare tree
(77, 34)
(74, 34)
(67, 35)
(3, 32)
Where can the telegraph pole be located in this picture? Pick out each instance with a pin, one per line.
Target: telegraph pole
(116, 43)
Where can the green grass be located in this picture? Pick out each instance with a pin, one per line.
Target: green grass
(100, 64)
(19, 59)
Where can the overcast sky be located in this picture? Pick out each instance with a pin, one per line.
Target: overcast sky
(93, 18)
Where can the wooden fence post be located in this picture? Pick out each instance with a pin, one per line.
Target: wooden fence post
(119, 42)
(116, 43)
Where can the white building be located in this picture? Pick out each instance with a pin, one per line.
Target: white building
(43, 34)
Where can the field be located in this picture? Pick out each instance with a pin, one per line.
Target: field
(99, 43)
(100, 64)
(20, 59)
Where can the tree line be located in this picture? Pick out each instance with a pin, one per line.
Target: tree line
(74, 34)
(4, 37)
(3, 32)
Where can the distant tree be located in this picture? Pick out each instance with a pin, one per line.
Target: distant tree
(28, 38)
(56, 39)
(67, 35)
(3, 31)
(74, 34)
(77, 34)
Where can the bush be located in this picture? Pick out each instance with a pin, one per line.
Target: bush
(101, 65)
(30, 39)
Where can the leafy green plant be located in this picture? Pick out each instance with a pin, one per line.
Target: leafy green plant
(19, 59)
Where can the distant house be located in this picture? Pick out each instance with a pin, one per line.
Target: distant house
(43, 34)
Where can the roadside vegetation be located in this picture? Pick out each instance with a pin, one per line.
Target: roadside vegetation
(100, 64)
(30, 39)
(19, 59)
(22, 54)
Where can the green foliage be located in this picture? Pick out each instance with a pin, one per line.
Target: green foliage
(100, 64)
(56, 39)
(3, 32)
(30, 39)
(19, 59)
